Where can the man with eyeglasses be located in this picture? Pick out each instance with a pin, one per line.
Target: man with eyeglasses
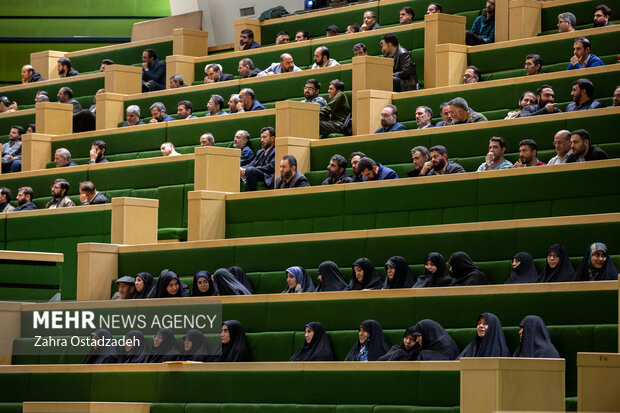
(561, 141)
(311, 92)
(533, 65)
(566, 22)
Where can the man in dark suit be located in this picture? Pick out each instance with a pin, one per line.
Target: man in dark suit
(404, 75)
(290, 177)
(263, 165)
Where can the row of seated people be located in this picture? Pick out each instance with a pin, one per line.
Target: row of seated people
(596, 265)
(425, 341)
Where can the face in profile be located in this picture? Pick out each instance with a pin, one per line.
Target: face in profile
(225, 335)
(308, 335)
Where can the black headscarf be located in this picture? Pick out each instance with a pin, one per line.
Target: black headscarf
(440, 278)
(525, 271)
(400, 352)
(331, 277)
(242, 277)
(196, 292)
(436, 342)
(376, 344)
(318, 349)
(586, 270)
(103, 354)
(371, 280)
(493, 344)
(465, 271)
(563, 272)
(403, 278)
(237, 349)
(536, 341)
(139, 352)
(149, 282)
(304, 282)
(226, 283)
(167, 350)
(198, 350)
(164, 279)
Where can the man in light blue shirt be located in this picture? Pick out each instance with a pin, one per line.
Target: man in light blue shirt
(286, 65)
(495, 157)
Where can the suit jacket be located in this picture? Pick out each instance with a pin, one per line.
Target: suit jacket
(26, 207)
(265, 162)
(99, 198)
(156, 73)
(404, 69)
(535, 110)
(297, 181)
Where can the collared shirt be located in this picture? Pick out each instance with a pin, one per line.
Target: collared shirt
(588, 104)
(13, 148)
(591, 61)
(505, 164)
(557, 159)
(276, 68)
(330, 63)
(395, 127)
(537, 163)
(320, 100)
(221, 112)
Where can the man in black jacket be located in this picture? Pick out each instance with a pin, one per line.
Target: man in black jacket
(404, 76)
(545, 97)
(29, 75)
(263, 165)
(153, 72)
(582, 149)
(214, 74)
(24, 199)
(290, 177)
(65, 69)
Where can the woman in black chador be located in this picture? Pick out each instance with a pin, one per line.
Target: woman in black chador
(435, 272)
(365, 276)
(164, 347)
(234, 343)
(144, 285)
(435, 343)
(489, 340)
(407, 350)
(371, 343)
(242, 277)
(169, 285)
(398, 274)
(330, 277)
(203, 286)
(535, 340)
(101, 351)
(135, 350)
(523, 269)
(558, 267)
(465, 271)
(226, 284)
(316, 345)
(194, 348)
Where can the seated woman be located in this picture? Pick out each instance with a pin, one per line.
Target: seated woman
(465, 271)
(144, 285)
(194, 348)
(365, 276)
(169, 285)
(558, 268)
(596, 264)
(489, 340)
(135, 350)
(316, 345)
(405, 351)
(535, 340)
(435, 343)
(164, 347)
(202, 286)
(523, 269)
(435, 272)
(298, 280)
(371, 344)
(226, 284)
(330, 277)
(234, 344)
(398, 274)
(242, 277)
(100, 351)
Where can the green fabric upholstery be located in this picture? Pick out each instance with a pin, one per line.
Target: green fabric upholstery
(131, 55)
(79, 86)
(24, 280)
(20, 120)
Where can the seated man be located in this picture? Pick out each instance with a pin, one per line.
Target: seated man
(561, 141)
(93, 107)
(62, 158)
(105, 63)
(168, 149)
(566, 22)
(433, 8)
(6, 106)
(370, 21)
(176, 81)
(545, 97)
(215, 106)
(404, 73)
(471, 75)
(582, 148)
(533, 64)
(602, 13)
(24, 199)
(90, 196)
(97, 152)
(616, 101)
(286, 65)
(528, 154)
(582, 57)
(311, 92)
(158, 112)
(132, 114)
(420, 156)
(333, 115)
(65, 95)
(461, 112)
(242, 141)
(446, 115)
(302, 35)
(214, 74)
(582, 93)
(336, 171)
(60, 199)
(322, 59)
(527, 98)
(5, 200)
(246, 68)
(247, 98)
(290, 177)
(263, 165)
(423, 117)
(41, 96)
(234, 105)
(353, 28)
(126, 288)
(332, 31)
(439, 163)
(12, 151)
(355, 160)
(495, 158)
(372, 171)
(406, 15)
(483, 29)
(388, 120)
(65, 69)
(184, 110)
(207, 139)
(29, 75)
(283, 37)
(246, 40)
(359, 49)
(153, 72)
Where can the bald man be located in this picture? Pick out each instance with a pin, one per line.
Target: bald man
(29, 75)
(286, 65)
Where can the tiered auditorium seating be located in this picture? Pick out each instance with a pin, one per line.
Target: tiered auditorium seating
(583, 11)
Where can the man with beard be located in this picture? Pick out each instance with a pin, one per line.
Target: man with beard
(65, 95)
(561, 141)
(65, 69)
(439, 163)
(246, 68)
(97, 152)
(582, 148)
(528, 151)
(495, 157)
(60, 188)
(582, 93)
(234, 106)
(242, 141)
(214, 74)
(24, 199)
(544, 98)
(263, 165)
(483, 29)
(355, 159)
(404, 75)
(90, 196)
(333, 115)
(460, 112)
(471, 75)
(153, 72)
(420, 156)
(12, 151)
(311, 92)
(372, 171)
(388, 120)
(336, 171)
(533, 64)
(582, 57)
(248, 100)
(423, 117)
(158, 111)
(527, 98)
(602, 13)
(446, 116)
(286, 65)
(5, 200)
(290, 177)
(322, 59)
(215, 106)
(184, 110)
(246, 40)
